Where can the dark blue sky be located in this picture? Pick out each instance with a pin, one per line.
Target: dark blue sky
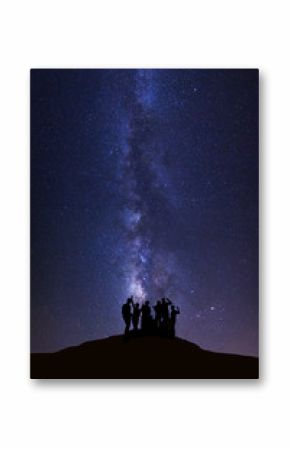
(144, 182)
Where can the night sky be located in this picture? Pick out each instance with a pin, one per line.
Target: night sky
(144, 182)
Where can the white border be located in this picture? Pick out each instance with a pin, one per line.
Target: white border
(158, 33)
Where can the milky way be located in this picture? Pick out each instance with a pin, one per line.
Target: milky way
(144, 183)
(149, 269)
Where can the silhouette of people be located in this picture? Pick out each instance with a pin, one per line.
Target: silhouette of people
(174, 312)
(163, 323)
(136, 316)
(126, 314)
(146, 317)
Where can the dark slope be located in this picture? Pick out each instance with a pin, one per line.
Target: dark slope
(141, 358)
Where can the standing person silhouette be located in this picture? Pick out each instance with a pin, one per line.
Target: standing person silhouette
(136, 316)
(146, 316)
(126, 314)
(174, 312)
(165, 302)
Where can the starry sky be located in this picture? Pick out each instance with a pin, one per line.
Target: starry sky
(145, 183)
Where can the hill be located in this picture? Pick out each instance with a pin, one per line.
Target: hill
(141, 358)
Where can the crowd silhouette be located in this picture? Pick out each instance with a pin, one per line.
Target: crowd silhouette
(139, 319)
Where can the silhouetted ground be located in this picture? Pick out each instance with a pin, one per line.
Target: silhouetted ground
(141, 358)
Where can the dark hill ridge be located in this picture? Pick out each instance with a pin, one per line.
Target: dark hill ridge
(141, 358)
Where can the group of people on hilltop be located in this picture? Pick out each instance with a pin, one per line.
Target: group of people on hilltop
(140, 317)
